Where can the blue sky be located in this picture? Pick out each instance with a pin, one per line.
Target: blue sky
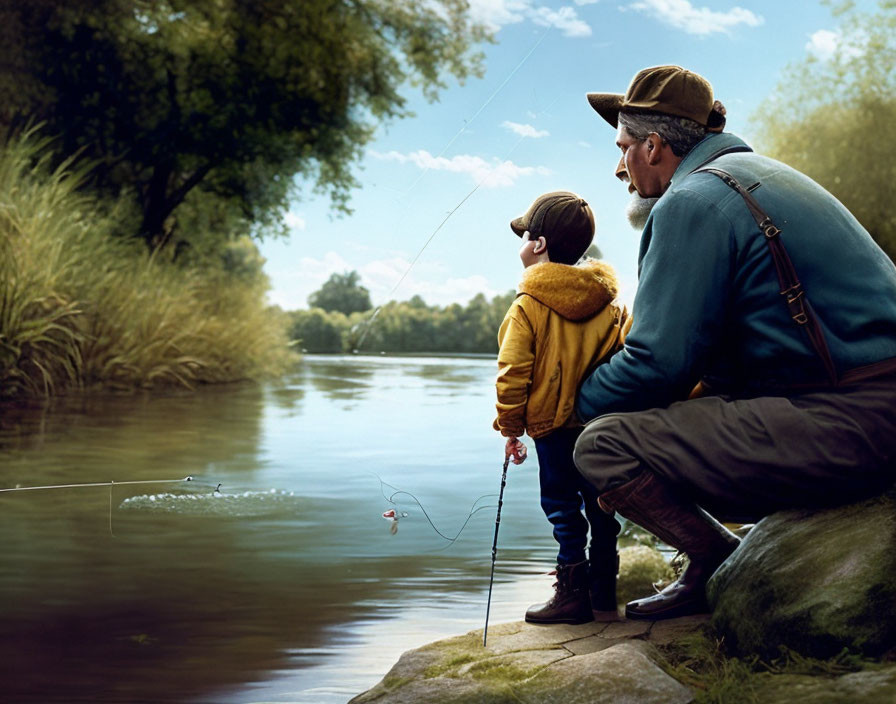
(486, 149)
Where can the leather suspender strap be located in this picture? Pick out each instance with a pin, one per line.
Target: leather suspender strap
(791, 288)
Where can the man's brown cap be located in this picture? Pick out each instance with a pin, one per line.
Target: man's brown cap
(564, 220)
(670, 90)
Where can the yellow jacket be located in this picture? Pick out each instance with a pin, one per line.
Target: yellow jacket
(563, 323)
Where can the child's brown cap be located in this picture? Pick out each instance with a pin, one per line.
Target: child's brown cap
(564, 220)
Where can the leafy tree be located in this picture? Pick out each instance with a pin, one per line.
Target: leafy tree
(316, 330)
(835, 119)
(343, 293)
(242, 260)
(234, 98)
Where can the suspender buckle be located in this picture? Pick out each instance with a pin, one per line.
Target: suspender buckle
(794, 297)
(769, 229)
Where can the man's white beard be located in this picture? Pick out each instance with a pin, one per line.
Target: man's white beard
(638, 209)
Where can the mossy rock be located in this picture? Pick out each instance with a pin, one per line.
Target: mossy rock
(866, 687)
(814, 581)
(532, 664)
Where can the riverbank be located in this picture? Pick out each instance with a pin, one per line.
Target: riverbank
(639, 662)
(804, 609)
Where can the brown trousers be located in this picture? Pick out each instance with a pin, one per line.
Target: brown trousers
(742, 459)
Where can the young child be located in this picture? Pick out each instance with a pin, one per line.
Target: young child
(564, 322)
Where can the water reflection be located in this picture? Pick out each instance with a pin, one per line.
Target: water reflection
(339, 378)
(276, 586)
(287, 397)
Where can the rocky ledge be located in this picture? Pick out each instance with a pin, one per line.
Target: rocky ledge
(612, 662)
(626, 662)
(803, 585)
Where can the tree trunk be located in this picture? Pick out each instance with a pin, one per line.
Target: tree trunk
(158, 203)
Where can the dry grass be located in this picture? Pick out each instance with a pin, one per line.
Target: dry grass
(81, 307)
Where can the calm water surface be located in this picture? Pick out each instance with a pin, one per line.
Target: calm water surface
(287, 585)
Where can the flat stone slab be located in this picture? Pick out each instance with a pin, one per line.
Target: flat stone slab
(665, 632)
(532, 636)
(591, 662)
(623, 674)
(528, 660)
(626, 629)
(591, 644)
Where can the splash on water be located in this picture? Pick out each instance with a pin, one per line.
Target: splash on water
(245, 503)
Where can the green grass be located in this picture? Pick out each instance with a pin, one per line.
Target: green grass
(82, 307)
(699, 661)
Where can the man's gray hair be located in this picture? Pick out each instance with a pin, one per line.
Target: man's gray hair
(680, 133)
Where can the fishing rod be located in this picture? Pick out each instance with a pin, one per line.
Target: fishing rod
(369, 323)
(491, 580)
(85, 484)
(110, 484)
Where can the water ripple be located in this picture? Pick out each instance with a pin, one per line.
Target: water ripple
(246, 503)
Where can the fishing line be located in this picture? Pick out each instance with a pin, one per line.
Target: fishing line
(451, 212)
(450, 540)
(488, 101)
(110, 484)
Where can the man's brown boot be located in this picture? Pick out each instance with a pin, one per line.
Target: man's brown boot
(654, 504)
(570, 603)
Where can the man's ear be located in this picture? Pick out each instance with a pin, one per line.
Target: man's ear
(655, 148)
(541, 246)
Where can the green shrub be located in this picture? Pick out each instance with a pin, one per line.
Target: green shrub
(82, 307)
(317, 330)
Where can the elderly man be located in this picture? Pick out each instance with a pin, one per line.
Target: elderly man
(791, 333)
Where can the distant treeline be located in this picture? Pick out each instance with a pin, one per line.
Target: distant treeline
(408, 326)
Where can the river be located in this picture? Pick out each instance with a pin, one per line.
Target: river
(271, 575)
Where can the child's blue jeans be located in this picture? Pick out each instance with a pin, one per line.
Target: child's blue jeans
(564, 493)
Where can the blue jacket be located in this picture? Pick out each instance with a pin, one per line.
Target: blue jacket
(707, 304)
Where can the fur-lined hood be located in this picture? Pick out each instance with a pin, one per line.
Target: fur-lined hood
(575, 292)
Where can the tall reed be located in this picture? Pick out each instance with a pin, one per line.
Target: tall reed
(81, 307)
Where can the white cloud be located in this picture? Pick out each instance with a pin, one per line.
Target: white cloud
(565, 19)
(582, 143)
(430, 280)
(493, 174)
(301, 278)
(824, 44)
(498, 13)
(294, 221)
(524, 130)
(702, 21)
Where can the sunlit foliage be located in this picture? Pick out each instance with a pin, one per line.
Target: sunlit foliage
(835, 118)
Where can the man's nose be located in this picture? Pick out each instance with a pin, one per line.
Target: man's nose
(621, 172)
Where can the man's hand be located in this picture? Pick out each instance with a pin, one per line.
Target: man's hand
(514, 449)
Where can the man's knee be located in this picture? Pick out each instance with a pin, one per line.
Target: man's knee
(605, 452)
